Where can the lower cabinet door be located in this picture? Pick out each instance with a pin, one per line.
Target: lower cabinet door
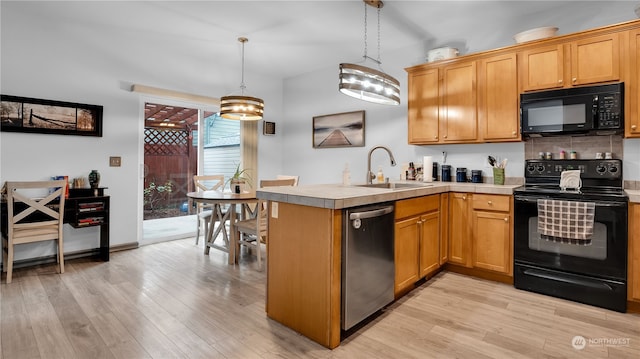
(407, 236)
(492, 241)
(459, 229)
(429, 243)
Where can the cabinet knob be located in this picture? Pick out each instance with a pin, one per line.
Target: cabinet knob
(489, 202)
(559, 81)
(514, 133)
(445, 136)
(506, 219)
(633, 127)
(436, 137)
(464, 198)
(574, 79)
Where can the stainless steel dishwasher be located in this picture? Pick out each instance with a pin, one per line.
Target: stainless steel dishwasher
(368, 269)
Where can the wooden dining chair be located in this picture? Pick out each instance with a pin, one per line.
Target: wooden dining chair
(205, 211)
(296, 178)
(33, 219)
(251, 232)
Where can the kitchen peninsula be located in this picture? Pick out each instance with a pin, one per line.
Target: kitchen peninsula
(305, 241)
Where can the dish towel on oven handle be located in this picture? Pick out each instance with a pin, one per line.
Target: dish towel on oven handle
(566, 219)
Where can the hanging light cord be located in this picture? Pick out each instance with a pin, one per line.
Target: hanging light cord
(365, 36)
(242, 86)
(365, 31)
(379, 62)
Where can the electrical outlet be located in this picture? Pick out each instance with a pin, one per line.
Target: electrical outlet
(114, 161)
(274, 209)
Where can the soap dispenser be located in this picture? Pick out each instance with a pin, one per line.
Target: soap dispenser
(346, 175)
(380, 175)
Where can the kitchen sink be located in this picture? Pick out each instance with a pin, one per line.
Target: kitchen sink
(394, 185)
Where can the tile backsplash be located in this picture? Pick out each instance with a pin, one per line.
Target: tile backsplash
(634, 185)
(586, 147)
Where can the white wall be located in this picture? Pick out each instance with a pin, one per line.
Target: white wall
(50, 60)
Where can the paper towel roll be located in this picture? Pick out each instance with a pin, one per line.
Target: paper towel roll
(427, 169)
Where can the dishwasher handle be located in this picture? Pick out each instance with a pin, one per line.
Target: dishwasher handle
(371, 214)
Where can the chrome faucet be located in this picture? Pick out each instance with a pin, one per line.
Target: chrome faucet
(371, 175)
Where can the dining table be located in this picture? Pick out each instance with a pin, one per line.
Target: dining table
(217, 224)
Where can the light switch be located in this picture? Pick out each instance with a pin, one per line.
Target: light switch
(114, 161)
(274, 209)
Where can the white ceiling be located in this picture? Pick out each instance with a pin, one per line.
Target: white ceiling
(187, 40)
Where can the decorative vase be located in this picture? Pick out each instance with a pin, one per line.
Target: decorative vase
(236, 185)
(94, 179)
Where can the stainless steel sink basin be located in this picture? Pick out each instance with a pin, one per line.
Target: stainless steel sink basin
(394, 185)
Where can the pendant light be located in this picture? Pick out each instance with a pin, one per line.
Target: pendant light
(366, 83)
(241, 107)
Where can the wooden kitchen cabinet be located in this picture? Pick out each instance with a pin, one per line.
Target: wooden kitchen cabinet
(453, 103)
(459, 119)
(492, 233)
(460, 229)
(304, 271)
(632, 118)
(475, 98)
(424, 106)
(591, 60)
(633, 286)
(417, 240)
(595, 59)
(407, 238)
(542, 68)
(499, 109)
(429, 243)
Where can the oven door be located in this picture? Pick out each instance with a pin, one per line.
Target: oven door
(605, 256)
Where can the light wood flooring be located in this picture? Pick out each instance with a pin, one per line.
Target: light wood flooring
(169, 300)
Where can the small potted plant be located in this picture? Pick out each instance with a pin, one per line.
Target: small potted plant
(239, 179)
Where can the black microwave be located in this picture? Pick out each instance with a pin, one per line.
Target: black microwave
(595, 110)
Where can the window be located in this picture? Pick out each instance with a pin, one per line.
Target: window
(221, 145)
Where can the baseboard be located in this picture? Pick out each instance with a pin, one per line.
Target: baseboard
(633, 307)
(479, 273)
(93, 252)
(124, 247)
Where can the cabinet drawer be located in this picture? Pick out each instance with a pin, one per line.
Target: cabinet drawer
(414, 206)
(491, 202)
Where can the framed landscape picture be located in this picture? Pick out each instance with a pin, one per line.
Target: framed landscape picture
(339, 130)
(30, 115)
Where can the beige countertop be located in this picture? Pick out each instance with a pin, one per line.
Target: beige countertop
(634, 195)
(337, 196)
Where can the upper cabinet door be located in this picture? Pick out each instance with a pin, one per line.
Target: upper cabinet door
(632, 118)
(499, 109)
(593, 60)
(542, 68)
(596, 59)
(459, 120)
(423, 106)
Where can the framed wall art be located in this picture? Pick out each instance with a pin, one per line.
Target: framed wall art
(30, 115)
(339, 130)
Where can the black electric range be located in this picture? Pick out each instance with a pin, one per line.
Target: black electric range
(591, 271)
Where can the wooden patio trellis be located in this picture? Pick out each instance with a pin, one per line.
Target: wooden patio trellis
(169, 156)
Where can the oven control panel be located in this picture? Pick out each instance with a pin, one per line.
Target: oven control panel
(595, 169)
